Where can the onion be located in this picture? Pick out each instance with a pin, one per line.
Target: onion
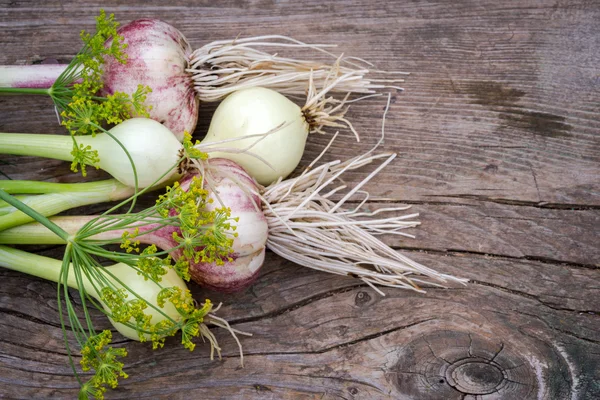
(120, 276)
(146, 289)
(152, 147)
(254, 111)
(280, 125)
(157, 57)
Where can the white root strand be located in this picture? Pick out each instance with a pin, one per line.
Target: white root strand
(307, 227)
(222, 67)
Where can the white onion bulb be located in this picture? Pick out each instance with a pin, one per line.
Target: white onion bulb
(152, 147)
(257, 111)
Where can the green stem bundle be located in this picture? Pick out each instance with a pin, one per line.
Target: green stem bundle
(57, 198)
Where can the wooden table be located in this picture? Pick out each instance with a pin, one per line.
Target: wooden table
(498, 140)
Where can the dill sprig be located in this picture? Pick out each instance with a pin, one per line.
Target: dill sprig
(75, 91)
(201, 232)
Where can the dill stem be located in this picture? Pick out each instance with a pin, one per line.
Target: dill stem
(37, 234)
(24, 91)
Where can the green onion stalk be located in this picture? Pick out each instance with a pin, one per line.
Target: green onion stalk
(136, 167)
(49, 198)
(143, 294)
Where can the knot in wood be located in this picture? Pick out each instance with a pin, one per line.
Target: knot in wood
(440, 364)
(475, 376)
(362, 298)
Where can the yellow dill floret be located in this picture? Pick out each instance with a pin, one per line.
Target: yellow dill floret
(115, 301)
(82, 157)
(182, 267)
(128, 243)
(97, 355)
(150, 266)
(192, 317)
(204, 235)
(190, 150)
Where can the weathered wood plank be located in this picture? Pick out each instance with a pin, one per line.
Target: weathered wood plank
(491, 109)
(354, 338)
(497, 134)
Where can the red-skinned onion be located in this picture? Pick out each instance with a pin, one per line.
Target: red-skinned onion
(157, 57)
(250, 244)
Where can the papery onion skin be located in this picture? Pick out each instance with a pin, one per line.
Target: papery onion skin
(157, 57)
(250, 245)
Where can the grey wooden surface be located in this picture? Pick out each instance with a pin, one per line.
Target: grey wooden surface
(499, 149)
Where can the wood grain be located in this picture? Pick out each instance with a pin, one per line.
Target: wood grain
(498, 140)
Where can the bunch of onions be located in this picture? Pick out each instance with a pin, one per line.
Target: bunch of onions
(296, 219)
(143, 295)
(160, 57)
(259, 128)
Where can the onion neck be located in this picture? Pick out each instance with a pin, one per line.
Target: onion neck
(32, 264)
(35, 233)
(58, 147)
(54, 203)
(38, 78)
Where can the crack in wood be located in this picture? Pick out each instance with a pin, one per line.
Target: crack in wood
(521, 203)
(337, 378)
(553, 328)
(334, 347)
(37, 349)
(498, 352)
(576, 336)
(68, 374)
(487, 199)
(532, 297)
(470, 345)
(536, 184)
(373, 336)
(435, 355)
(458, 252)
(297, 305)
(517, 383)
(30, 318)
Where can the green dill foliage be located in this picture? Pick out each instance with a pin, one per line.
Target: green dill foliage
(205, 233)
(75, 91)
(202, 233)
